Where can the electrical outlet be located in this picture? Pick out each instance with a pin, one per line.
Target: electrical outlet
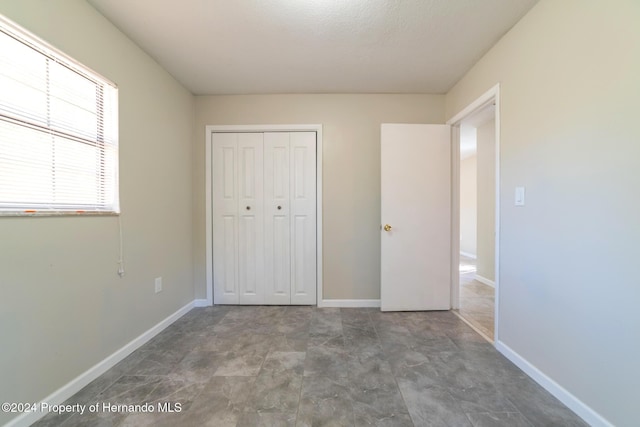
(158, 284)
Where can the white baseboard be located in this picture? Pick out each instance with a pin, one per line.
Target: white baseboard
(468, 255)
(485, 281)
(576, 405)
(75, 385)
(201, 303)
(349, 303)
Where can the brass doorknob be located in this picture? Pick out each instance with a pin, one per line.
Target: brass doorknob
(387, 227)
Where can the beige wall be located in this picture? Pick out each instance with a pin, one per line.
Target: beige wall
(351, 168)
(63, 307)
(486, 155)
(569, 292)
(468, 205)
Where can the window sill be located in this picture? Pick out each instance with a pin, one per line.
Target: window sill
(56, 213)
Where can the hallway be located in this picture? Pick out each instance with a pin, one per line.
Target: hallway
(477, 300)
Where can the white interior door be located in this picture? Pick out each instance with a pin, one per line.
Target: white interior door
(416, 207)
(277, 218)
(251, 218)
(303, 217)
(224, 152)
(264, 218)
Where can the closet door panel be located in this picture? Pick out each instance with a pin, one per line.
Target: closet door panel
(251, 218)
(303, 217)
(277, 218)
(225, 218)
(264, 213)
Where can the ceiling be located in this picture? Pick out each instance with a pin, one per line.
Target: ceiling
(315, 46)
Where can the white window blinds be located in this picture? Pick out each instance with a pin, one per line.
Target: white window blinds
(58, 131)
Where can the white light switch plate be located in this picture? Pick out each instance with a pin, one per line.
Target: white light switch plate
(519, 197)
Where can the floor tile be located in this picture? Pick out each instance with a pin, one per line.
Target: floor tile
(171, 391)
(498, 419)
(377, 399)
(52, 419)
(158, 362)
(275, 392)
(477, 399)
(366, 360)
(326, 361)
(278, 362)
(284, 366)
(326, 322)
(363, 416)
(539, 407)
(267, 419)
(196, 367)
(221, 402)
(354, 336)
(231, 364)
(432, 406)
(154, 420)
(129, 389)
(325, 402)
(100, 419)
(290, 342)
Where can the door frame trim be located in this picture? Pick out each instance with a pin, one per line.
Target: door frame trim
(491, 95)
(209, 129)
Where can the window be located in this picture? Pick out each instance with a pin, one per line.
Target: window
(58, 131)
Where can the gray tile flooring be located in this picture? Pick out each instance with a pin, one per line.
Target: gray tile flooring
(305, 366)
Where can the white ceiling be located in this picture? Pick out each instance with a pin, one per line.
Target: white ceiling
(315, 46)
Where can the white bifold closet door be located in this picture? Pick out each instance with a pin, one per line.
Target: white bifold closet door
(264, 214)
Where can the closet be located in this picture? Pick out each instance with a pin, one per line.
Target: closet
(264, 217)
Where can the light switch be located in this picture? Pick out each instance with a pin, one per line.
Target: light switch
(519, 199)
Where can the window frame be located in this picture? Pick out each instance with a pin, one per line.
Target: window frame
(74, 208)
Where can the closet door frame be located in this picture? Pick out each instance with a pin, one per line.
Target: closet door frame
(209, 130)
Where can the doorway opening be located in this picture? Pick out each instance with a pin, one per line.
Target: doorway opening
(475, 191)
(477, 219)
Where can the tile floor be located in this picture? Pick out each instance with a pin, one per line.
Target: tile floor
(305, 366)
(477, 300)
